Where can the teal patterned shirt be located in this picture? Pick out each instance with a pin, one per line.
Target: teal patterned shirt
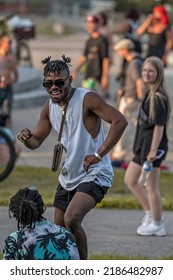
(46, 241)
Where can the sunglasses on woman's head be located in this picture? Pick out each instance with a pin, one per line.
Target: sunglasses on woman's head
(58, 83)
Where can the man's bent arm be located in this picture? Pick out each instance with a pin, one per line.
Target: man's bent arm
(110, 115)
(33, 140)
(115, 132)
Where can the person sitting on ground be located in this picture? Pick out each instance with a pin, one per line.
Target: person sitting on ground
(36, 237)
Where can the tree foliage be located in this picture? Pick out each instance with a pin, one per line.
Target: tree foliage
(142, 6)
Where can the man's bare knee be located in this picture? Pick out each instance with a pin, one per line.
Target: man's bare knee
(71, 222)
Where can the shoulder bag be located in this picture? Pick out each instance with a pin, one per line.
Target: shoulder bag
(58, 148)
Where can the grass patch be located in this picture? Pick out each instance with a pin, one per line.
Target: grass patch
(118, 257)
(46, 182)
(25, 176)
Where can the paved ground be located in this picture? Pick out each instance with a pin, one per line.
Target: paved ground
(112, 231)
(108, 230)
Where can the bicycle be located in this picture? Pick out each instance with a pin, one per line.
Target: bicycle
(23, 52)
(22, 30)
(7, 151)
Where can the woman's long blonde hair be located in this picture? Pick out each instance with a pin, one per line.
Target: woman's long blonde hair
(158, 90)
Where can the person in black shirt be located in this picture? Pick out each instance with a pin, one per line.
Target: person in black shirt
(151, 136)
(95, 57)
(157, 27)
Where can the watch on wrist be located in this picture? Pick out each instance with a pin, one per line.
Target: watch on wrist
(98, 156)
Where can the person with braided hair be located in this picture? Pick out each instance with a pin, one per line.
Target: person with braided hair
(36, 237)
(86, 173)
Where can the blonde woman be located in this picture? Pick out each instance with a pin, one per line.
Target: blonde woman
(150, 136)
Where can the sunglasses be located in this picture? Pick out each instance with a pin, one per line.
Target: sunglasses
(58, 83)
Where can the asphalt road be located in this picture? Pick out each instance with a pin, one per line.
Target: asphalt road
(112, 231)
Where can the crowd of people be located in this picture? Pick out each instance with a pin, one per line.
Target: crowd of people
(86, 173)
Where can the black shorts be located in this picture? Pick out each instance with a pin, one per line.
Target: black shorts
(63, 197)
(156, 163)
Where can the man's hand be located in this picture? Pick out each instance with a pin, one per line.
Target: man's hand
(88, 160)
(24, 135)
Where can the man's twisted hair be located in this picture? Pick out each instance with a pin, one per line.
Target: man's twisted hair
(56, 66)
(27, 207)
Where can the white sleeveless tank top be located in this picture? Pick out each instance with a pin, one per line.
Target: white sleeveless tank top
(78, 143)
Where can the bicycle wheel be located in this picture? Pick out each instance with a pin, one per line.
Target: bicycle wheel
(7, 155)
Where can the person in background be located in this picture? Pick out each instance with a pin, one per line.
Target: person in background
(8, 76)
(86, 173)
(129, 96)
(96, 58)
(160, 38)
(36, 237)
(127, 29)
(106, 31)
(151, 135)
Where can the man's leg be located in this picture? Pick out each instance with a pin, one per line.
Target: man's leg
(61, 201)
(59, 217)
(79, 206)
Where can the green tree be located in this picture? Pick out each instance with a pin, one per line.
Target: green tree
(142, 6)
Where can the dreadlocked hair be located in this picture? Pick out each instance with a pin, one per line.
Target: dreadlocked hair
(27, 207)
(56, 66)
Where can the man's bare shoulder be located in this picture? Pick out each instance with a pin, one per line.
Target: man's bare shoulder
(92, 96)
(93, 100)
(95, 104)
(45, 109)
(46, 105)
